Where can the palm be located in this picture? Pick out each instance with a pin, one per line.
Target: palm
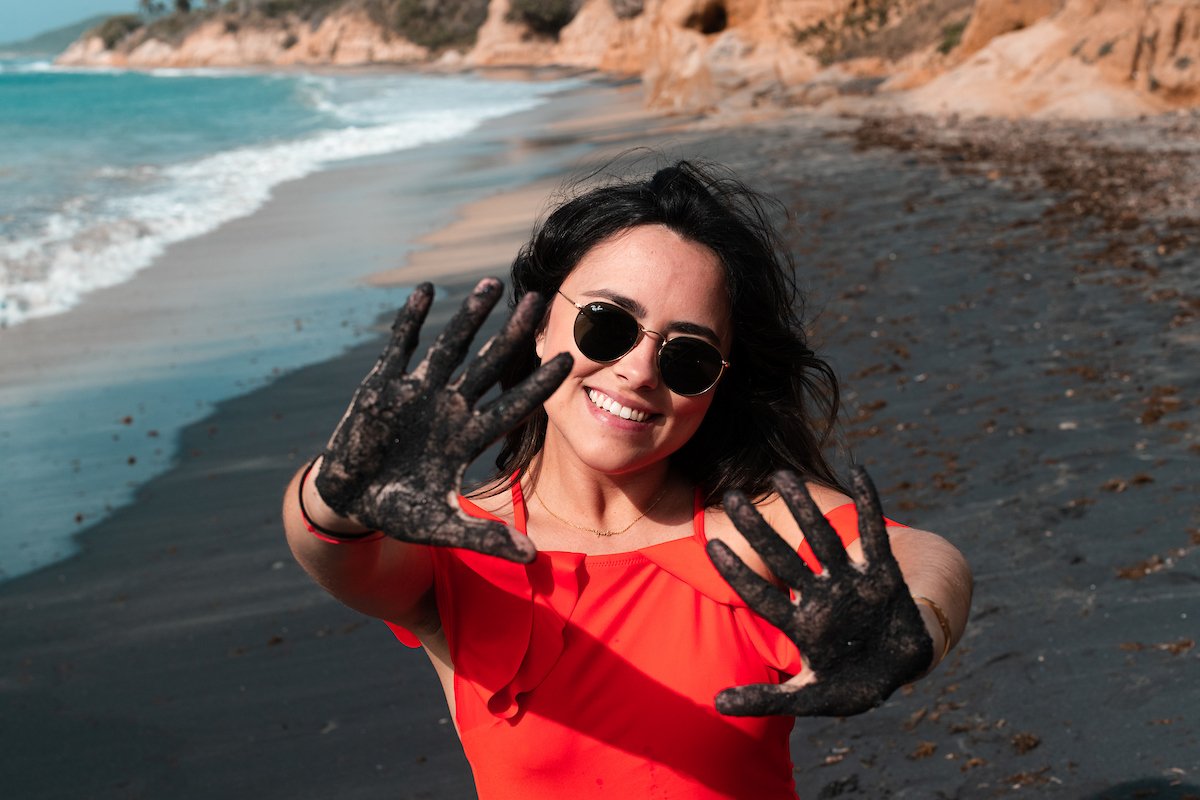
(859, 631)
(396, 460)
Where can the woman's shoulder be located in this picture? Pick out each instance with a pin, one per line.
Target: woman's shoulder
(775, 513)
(826, 498)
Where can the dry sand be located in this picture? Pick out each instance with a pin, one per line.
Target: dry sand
(1008, 383)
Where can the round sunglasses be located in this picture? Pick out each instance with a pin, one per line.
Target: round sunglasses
(605, 333)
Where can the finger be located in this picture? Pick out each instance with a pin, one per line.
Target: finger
(756, 700)
(766, 600)
(406, 330)
(785, 564)
(482, 373)
(489, 538)
(812, 700)
(450, 348)
(871, 526)
(502, 414)
(819, 534)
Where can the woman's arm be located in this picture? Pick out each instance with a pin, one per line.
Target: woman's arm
(383, 578)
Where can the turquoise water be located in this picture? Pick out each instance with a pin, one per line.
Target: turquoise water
(102, 171)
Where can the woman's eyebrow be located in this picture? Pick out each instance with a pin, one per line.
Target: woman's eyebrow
(638, 310)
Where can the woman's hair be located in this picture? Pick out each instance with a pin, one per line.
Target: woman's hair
(776, 405)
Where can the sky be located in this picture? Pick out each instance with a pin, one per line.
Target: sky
(20, 19)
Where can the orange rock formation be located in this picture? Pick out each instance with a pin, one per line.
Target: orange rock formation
(1067, 58)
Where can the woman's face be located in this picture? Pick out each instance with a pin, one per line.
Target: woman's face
(668, 284)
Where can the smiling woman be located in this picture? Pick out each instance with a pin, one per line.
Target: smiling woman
(667, 283)
(664, 570)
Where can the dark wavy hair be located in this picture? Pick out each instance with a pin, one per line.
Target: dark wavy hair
(775, 407)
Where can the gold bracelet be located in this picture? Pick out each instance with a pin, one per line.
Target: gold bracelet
(942, 621)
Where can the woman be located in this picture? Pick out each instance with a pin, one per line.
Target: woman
(585, 608)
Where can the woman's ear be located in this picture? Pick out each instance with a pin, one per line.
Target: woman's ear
(539, 336)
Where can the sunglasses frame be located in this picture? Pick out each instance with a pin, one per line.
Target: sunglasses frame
(642, 331)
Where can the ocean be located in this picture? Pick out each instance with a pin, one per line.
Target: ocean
(100, 172)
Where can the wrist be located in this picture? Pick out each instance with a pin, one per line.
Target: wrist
(321, 520)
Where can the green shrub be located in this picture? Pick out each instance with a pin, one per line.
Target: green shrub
(301, 8)
(627, 9)
(430, 23)
(546, 17)
(114, 29)
(951, 36)
(173, 27)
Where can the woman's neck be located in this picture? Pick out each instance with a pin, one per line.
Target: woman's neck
(572, 507)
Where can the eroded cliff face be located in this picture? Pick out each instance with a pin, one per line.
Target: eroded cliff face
(1071, 58)
(344, 38)
(1076, 58)
(693, 55)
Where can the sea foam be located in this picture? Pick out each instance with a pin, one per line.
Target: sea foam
(99, 239)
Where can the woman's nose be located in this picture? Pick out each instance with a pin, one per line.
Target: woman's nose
(639, 367)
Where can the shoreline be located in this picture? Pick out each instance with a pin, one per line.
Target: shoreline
(92, 398)
(1038, 415)
(167, 656)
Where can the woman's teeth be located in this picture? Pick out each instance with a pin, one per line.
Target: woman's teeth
(616, 409)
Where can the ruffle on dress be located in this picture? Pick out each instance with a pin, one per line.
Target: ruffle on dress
(510, 647)
(505, 622)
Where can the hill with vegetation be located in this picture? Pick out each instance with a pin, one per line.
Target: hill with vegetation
(1012, 58)
(54, 41)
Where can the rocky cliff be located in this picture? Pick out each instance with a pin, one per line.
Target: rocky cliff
(1072, 58)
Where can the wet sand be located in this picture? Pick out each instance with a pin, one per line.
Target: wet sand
(1009, 381)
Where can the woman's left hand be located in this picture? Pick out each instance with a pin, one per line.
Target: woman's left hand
(860, 634)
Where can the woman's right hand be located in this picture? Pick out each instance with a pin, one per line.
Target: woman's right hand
(397, 459)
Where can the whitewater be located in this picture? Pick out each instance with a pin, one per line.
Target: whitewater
(102, 170)
(109, 179)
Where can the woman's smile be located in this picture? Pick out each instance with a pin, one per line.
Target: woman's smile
(613, 408)
(617, 416)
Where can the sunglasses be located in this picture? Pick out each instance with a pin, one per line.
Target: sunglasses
(605, 333)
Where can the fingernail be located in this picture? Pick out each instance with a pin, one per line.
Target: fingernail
(488, 286)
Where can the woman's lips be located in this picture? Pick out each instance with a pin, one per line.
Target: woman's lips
(614, 408)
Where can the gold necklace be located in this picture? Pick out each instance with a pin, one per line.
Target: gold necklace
(601, 531)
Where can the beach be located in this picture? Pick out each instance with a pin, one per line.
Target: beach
(1017, 376)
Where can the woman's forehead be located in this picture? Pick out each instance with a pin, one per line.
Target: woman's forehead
(662, 280)
(650, 257)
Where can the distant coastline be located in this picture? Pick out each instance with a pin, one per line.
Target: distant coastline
(52, 42)
(1066, 59)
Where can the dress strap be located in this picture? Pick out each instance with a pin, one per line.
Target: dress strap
(698, 518)
(518, 501)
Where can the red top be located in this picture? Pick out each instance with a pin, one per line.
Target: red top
(594, 676)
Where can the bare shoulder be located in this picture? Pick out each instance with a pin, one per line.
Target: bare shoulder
(776, 514)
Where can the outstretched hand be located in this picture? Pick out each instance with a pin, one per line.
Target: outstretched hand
(396, 461)
(860, 634)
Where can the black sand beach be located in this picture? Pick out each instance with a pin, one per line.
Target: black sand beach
(1017, 378)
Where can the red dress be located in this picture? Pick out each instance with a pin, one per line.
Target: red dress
(583, 676)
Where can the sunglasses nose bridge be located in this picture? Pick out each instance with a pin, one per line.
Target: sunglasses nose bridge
(662, 339)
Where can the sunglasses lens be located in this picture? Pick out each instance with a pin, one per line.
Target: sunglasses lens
(689, 366)
(605, 332)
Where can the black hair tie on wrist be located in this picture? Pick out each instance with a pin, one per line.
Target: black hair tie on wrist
(326, 533)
